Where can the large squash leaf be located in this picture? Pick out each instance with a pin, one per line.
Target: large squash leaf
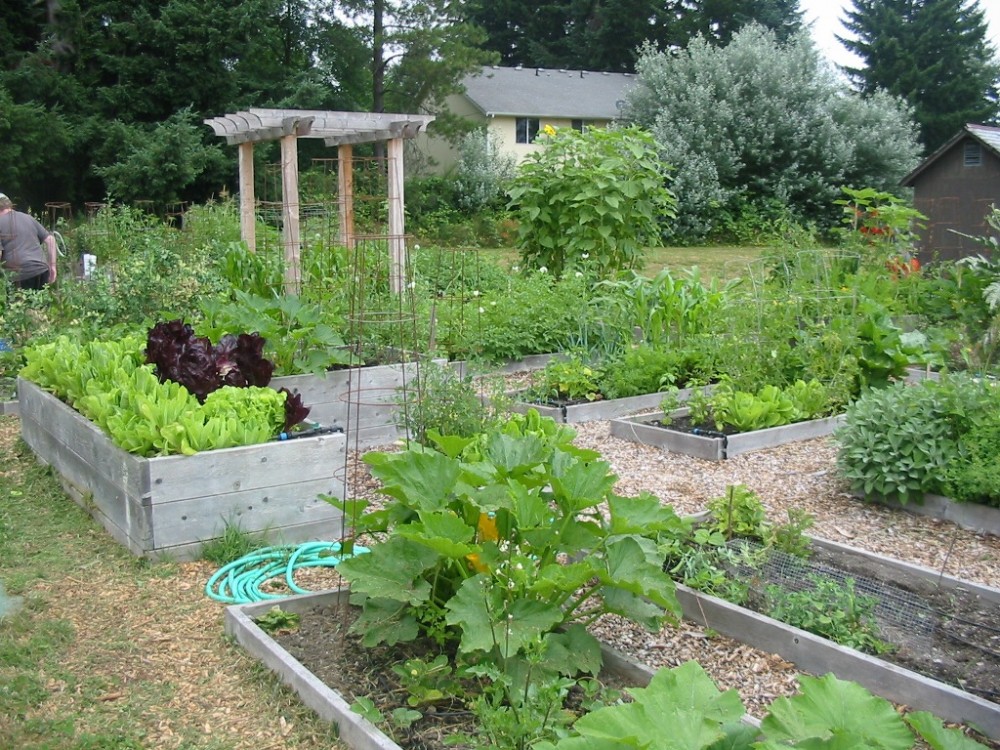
(833, 713)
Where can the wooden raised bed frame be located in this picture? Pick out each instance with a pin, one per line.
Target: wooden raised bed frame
(170, 505)
(716, 448)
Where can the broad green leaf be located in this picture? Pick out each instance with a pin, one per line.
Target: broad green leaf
(828, 707)
(529, 510)
(633, 607)
(512, 454)
(486, 622)
(444, 532)
(391, 570)
(935, 734)
(580, 485)
(572, 651)
(680, 709)
(383, 621)
(629, 569)
(641, 515)
(420, 479)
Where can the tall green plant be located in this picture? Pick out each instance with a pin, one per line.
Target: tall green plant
(497, 545)
(590, 200)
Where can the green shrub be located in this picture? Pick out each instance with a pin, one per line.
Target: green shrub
(900, 441)
(975, 476)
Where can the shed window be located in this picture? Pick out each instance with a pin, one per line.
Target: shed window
(527, 129)
(581, 125)
(973, 154)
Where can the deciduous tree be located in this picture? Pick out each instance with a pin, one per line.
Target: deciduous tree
(760, 124)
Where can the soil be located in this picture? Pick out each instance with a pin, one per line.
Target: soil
(959, 642)
(962, 649)
(322, 643)
(685, 424)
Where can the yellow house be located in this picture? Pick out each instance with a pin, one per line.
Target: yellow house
(514, 104)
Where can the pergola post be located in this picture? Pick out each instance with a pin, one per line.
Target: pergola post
(345, 187)
(397, 240)
(248, 220)
(290, 212)
(341, 129)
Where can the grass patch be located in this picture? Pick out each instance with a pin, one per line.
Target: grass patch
(722, 261)
(111, 652)
(232, 545)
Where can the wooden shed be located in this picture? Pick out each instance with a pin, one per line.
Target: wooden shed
(955, 188)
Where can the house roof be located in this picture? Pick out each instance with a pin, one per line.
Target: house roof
(542, 92)
(988, 136)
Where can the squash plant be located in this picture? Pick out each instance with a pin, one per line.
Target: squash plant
(682, 709)
(502, 547)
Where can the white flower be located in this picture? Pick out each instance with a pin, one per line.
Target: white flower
(543, 269)
(515, 269)
(493, 303)
(416, 247)
(585, 256)
(475, 292)
(579, 275)
(412, 285)
(482, 310)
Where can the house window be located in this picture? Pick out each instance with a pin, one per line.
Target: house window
(973, 154)
(581, 125)
(527, 129)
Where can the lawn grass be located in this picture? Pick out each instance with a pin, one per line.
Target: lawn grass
(111, 652)
(713, 261)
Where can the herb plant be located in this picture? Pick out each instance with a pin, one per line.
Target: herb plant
(900, 442)
(830, 609)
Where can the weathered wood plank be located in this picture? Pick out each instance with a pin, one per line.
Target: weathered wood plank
(81, 437)
(124, 516)
(213, 473)
(254, 510)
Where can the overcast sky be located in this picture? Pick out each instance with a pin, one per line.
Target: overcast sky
(825, 16)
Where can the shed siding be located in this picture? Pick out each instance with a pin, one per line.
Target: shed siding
(954, 196)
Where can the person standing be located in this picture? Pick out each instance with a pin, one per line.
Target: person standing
(27, 249)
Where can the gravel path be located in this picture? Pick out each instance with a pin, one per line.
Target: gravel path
(800, 475)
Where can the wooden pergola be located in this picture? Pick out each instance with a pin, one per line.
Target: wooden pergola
(340, 129)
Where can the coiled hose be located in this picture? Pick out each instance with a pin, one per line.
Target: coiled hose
(240, 581)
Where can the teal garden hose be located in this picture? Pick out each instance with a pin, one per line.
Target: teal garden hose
(239, 582)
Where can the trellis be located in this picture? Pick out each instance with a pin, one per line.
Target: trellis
(337, 129)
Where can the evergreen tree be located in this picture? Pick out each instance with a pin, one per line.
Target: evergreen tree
(719, 20)
(933, 53)
(607, 34)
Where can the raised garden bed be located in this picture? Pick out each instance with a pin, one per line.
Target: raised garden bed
(355, 731)
(171, 505)
(983, 519)
(817, 655)
(588, 411)
(645, 428)
(362, 401)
